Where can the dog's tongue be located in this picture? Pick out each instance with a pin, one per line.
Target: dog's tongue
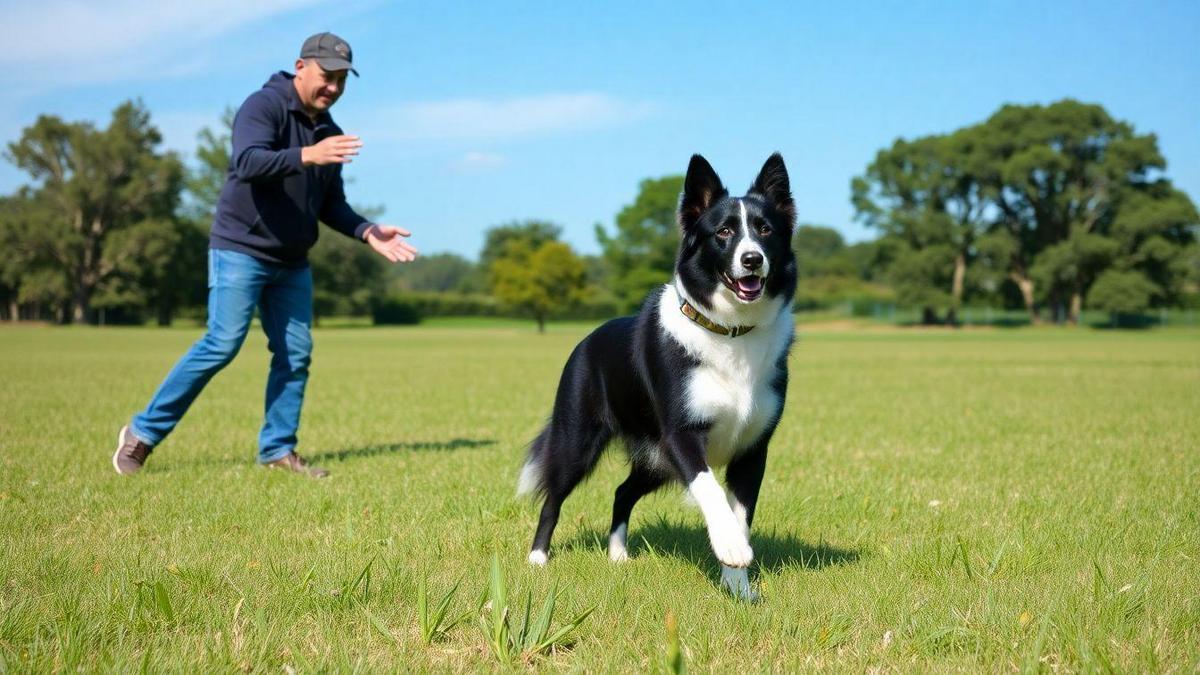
(750, 284)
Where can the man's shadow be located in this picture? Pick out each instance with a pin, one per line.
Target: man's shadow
(774, 551)
(411, 446)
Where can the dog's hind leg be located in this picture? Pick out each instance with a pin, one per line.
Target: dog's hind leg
(570, 457)
(639, 484)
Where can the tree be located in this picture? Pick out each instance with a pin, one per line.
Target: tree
(539, 279)
(97, 182)
(439, 272)
(1121, 293)
(29, 276)
(641, 253)
(348, 276)
(821, 251)
(928, 196)
(1057, 173)
(1154, 232)
(532, 232)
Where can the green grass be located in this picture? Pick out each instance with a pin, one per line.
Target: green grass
(935, 500)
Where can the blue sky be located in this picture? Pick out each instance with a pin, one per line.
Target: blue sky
(475, 114)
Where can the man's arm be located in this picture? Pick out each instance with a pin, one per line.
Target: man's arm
(255, 128)
(338, 214)
(387, 240)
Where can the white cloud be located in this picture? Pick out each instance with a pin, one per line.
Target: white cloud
(62, 42)
(476, 119)
(479, 161)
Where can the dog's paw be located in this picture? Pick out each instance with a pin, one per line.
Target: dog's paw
(537, 558)
(731, 546)
(616, 545)
(737, 582)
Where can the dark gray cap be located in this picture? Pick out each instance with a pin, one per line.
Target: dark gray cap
(330, 51)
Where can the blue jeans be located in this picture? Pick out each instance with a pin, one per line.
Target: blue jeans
(237, 283)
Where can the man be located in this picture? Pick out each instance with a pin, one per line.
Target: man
(285, 173)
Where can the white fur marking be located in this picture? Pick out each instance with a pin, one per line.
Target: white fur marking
(731, 388)
(724, 532)
(745, 245)
(537, 557)
(530, 477)
(616, 544)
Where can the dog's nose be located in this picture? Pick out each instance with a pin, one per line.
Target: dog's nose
(752, 260)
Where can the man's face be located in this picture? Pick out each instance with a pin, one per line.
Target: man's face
(318, 88)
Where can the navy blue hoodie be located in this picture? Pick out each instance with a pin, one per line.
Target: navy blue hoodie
(271, 202)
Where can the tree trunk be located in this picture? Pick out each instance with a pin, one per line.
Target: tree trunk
(956, 288)
(541, 323)
(928, 316)
(14, 310)
(164, 315)
(1076, 307)
(1025, 284)
(80, 306)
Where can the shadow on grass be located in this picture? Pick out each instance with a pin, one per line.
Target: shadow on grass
(773, 551)
(412, 446)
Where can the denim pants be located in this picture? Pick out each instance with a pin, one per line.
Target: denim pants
(237, 283)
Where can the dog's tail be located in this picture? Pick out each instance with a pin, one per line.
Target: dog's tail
(532, 481)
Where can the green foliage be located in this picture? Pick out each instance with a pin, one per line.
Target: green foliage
(1122, 292)
(89, 185)
(530, 233)
(395, 310)
(439, 272)
(433, 623)
(538, 280)
(206, 179)
(508, 640)
(1044, 197)
(640, 254)
(348, 276)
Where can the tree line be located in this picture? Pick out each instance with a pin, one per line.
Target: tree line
(1047, 208)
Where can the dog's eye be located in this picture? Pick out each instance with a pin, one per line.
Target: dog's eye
(764, 230)
(724, 233)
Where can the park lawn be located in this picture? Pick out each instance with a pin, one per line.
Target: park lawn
(934, 500)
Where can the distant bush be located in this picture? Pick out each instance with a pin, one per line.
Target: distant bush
(395, 311)
(828, 291)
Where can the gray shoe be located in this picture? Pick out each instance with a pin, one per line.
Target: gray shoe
(131, 452)
(296, 464)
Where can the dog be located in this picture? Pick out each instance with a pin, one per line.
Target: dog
(695, 380)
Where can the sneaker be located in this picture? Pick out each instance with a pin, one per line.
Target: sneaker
(131, 452)
(296, 464)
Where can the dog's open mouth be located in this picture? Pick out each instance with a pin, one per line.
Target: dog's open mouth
(747, 288)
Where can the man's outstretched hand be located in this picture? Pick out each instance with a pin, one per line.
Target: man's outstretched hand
(388, 241)
(332, 150)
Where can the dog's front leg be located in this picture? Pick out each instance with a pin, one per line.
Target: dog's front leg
(744, 478)
(725, 530)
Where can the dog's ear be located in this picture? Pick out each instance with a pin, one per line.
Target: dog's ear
(701, 189)
(772, 183)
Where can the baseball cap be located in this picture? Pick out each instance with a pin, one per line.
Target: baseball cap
(330, 52)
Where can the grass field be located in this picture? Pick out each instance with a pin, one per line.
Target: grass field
(973, 500)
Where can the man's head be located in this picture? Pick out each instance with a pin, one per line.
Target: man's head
(321, 70)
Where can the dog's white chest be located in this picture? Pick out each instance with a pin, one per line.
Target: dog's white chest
(736, 399)
(731, 387)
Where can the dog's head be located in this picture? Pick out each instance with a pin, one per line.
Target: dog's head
(736, 251)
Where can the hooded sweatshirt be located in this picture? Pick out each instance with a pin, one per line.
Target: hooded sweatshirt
(270, 203)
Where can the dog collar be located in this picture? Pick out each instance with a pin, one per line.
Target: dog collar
(694, 314)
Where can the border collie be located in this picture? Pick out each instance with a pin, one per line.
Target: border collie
(696, 380)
